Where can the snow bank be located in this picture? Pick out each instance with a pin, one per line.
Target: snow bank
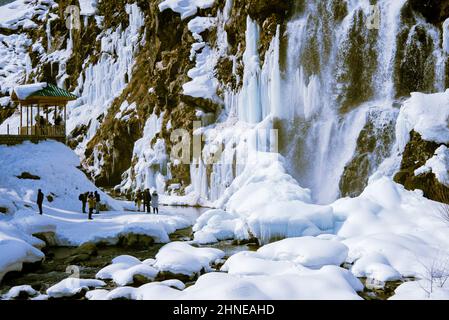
(427, 114)
(327, 283)
(17, 248)
(422, 290)
(52, 162)
(217, 225)
(307, 251)
(71, 286)
(390, 232)
(186, 8)
(438, 165)
(182, 258)
(18, 291)
(123, 270)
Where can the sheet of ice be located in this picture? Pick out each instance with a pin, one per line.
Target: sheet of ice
(71, 286)
(438, 165)
(427, 114)
(186, 8)
(182, 258)
(308, 251)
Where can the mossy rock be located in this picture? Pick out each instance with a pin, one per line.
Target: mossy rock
(133, 240)
(88, 248)
(28, 176)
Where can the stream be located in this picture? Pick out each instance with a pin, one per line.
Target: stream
(88, 260)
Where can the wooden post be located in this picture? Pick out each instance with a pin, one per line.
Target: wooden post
(7, 128)
(38, 117)
(21, 116)
(47, 123)
(31, 121)
(28, 120)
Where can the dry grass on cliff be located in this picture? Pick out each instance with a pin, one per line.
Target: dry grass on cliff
(440, 193)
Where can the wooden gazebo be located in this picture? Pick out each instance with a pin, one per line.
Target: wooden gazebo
(43, 113)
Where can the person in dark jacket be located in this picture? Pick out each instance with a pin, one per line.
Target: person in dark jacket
(92, 203)
(40, 201)
(97, 202)
(83, 198)
(147, 200)
(138, 200)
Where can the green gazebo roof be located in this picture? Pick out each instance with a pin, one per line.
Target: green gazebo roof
(53, 91)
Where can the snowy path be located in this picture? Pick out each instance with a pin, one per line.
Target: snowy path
(73, 228)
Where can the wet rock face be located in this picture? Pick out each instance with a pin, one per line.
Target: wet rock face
(373, 146)
(132, 240)
(434, 11)
(416, 154)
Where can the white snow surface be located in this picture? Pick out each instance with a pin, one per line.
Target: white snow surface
(438, 165)
(26, 90)
(72, 286)
(15, 292)
(124, 268)
(182, 258)
(427, 114)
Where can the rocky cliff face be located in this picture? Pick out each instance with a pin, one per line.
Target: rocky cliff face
(143, 69)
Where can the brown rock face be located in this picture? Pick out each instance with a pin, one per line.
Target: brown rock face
(416, 154)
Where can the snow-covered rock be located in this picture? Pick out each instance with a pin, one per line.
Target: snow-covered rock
(308, 251)
(20, 291)
(71, 286)
(182, 258)
(217, 225)
(124, 269)
(186, 8)
(438, 165)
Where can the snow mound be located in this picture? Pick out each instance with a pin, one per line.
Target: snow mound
(422, 290)
(427, 114)
(17, 248)
(390, 232)
(123, 270)
(182, 258)
(217, 225)
(18, 291)
(328, 283)
(186, 8)
(308, 251)
(71, 286)
(438, 165)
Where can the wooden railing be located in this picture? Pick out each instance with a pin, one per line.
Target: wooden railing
(34, 134)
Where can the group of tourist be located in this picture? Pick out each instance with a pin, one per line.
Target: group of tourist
(148, 201)
(92, 200)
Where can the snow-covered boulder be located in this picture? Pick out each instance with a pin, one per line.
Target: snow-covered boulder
(71, 287)
(124, 270)
(182, 259)
(20, 292)
(17, 248)
(217, 225)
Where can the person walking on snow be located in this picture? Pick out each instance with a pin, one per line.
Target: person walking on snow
(138, 200)
(83, 198)
(91, 202)
(40, 201)
(155, 202)
(147, 200)
(97, 202)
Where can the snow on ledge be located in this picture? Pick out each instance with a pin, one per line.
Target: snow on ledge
(186, 8)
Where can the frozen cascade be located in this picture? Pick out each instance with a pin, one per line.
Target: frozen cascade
(102, 82)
